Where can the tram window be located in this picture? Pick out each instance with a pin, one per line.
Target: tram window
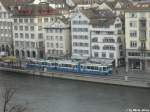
(104, 68)
(92, 67)
(53, 64)
(88, 67)
(100, 69)
(96, 68)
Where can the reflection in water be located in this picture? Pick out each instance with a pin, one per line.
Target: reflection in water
(60, 95)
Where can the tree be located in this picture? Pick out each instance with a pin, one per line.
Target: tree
(7, 103)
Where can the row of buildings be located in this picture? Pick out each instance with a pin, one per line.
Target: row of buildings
(117, 31)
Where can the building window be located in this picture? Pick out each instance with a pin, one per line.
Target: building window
(117, 25)
(27, 44)
(33, 44)
(103, 55)
(20, 21)
(95, 54)
(61, 45)
(26, 35)
(31, 20)
(47, 44)
(95, 39)
(26, 28)
(39, 20)
(61, 38)
(32, 36)
(52, 45)
(21, 28)
(39, 28)
(15, 27)
(32, 28)
(133, 24)
(96, 47)
(26, 20)
(80, 29)
(133, 44)
(21, 35)
(16, 44)
(134, 54)
(111, 55)
(40, 36)
(45, 19)
(15, 21)
(133, 33)
(16, 35)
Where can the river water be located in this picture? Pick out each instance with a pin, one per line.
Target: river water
(59, 95)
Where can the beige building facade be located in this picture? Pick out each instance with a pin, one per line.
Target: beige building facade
(137, 37)
(57, 39)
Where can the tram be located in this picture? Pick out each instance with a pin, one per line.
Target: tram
(71, 66)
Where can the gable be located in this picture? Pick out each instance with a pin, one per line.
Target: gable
(118, 5)
(104, 6)
(79, 16)
(2, 8)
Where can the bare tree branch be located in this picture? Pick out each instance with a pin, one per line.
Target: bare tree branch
(7, 95)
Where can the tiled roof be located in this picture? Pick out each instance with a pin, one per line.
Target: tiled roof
(8, 3)
(92, 13)
(139, 7)
(35, 10)
(103, 22)
(56, 1)
(112, 4)
(100, 17)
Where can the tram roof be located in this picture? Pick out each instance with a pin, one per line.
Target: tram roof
(67, 62)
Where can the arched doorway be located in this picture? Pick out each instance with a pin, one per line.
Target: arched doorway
(7, 50)
(17, 53)
(33, 54)
(3, 48)
(28, 53)
(23, 54)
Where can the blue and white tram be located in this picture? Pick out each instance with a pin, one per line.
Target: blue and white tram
(97, 69)
(71, 66)
(51, 65)
(67, 66)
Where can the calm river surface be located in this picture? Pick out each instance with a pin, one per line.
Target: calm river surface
(60, 95)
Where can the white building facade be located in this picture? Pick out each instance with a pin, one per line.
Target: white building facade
(106, 41)
(28, 31)
(57, 39)
(97, 35)
(5, 30)
(80, 32)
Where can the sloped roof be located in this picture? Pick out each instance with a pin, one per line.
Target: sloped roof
(8, 3)
(112, 4)
(100, 17)
(103, 22)
(65, 20)
(92, 13)
(56, 1)
(35, 10)
(139, 7)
